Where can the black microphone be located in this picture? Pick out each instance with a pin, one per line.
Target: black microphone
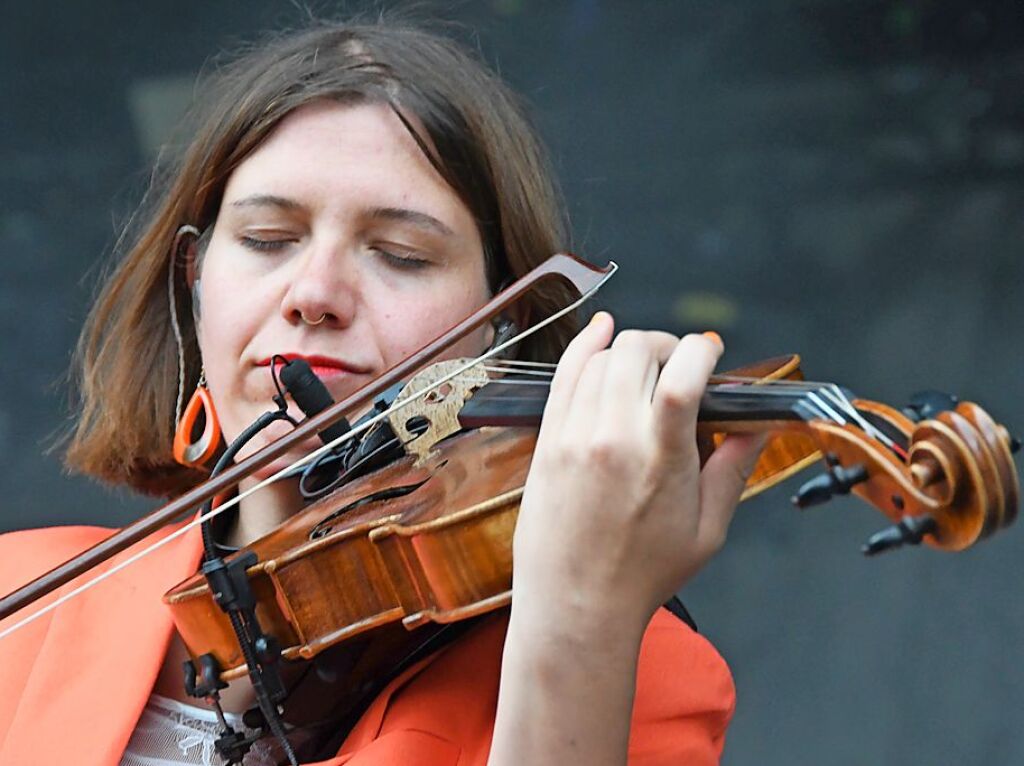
(312, 396)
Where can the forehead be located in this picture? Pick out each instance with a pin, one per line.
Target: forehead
(350, 150)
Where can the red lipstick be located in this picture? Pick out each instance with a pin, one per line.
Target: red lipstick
(323, 366)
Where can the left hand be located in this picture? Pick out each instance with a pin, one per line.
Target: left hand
(617, 514)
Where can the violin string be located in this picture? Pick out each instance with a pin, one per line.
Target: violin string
(836, 394)
(535, 373)
(524, 363)
(508, 365)
(305, 459)
(812, 396)
(819, 409)
(837, 398)
(765, 385)
(515, 382)
(824, 407)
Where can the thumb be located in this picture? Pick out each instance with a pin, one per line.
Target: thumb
(722, 481)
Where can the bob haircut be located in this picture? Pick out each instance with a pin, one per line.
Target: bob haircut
(466, 121)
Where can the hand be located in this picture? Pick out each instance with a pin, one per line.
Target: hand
(617, 513)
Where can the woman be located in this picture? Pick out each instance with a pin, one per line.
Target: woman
(349, 193)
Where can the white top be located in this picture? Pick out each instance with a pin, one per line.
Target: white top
(171, 733)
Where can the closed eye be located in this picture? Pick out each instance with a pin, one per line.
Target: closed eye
(402, 259)
(254, 243)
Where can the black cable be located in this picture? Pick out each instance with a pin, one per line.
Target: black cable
(226, 459)
(347, 473)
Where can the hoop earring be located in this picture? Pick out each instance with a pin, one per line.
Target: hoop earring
(195, 453)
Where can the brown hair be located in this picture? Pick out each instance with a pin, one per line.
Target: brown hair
(474, 133)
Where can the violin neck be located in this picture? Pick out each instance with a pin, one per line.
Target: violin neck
(506, 402)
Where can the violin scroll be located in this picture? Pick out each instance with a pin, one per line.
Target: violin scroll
(948, 480)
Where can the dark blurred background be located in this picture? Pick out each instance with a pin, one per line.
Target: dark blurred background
(841, 178)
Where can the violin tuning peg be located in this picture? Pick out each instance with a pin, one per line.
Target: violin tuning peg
(835, 481)
(814, 492)
(1014, 445)
(910, 531)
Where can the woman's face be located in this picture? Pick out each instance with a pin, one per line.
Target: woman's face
(339, 216)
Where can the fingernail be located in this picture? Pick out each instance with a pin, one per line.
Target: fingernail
(715, 337)
(598, 317)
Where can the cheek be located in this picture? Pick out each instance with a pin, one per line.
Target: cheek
(228, 320)
(215, 329)
(407, 330)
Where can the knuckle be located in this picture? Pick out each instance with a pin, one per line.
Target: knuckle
(679, 398)
(630, 339)
(606, 453)
(556, 457)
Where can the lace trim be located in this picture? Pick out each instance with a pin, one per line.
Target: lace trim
(172, 733)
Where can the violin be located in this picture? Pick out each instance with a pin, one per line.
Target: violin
(425, 541)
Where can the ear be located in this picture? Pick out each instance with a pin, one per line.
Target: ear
(185, 252)
(185, 257)
(196, 313)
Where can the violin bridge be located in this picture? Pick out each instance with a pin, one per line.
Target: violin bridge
(434, 415)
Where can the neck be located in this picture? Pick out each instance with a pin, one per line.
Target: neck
(263, 511)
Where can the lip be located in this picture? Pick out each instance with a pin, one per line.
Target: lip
(323, 366)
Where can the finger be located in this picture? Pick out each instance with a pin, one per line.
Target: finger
(589, 341)
(680, 387)
(583, 417)
(636, 349)
(631, 375)
(722, 482)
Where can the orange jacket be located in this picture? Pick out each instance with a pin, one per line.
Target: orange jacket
(73, 683)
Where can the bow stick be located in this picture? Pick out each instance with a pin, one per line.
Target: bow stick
(584, 277)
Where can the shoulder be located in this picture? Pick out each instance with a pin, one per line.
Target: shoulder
(28, 553)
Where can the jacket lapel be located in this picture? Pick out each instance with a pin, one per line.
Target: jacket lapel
(94, 663)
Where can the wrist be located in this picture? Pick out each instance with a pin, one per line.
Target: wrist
(564, 622)
(566, 690)
(554, 606)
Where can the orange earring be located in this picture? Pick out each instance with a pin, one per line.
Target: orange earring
(195, 454)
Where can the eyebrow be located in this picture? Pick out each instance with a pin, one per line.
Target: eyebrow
(414, 217)
(398, 214)
(267, 200)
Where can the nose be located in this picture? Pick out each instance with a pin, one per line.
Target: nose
(323, 288)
